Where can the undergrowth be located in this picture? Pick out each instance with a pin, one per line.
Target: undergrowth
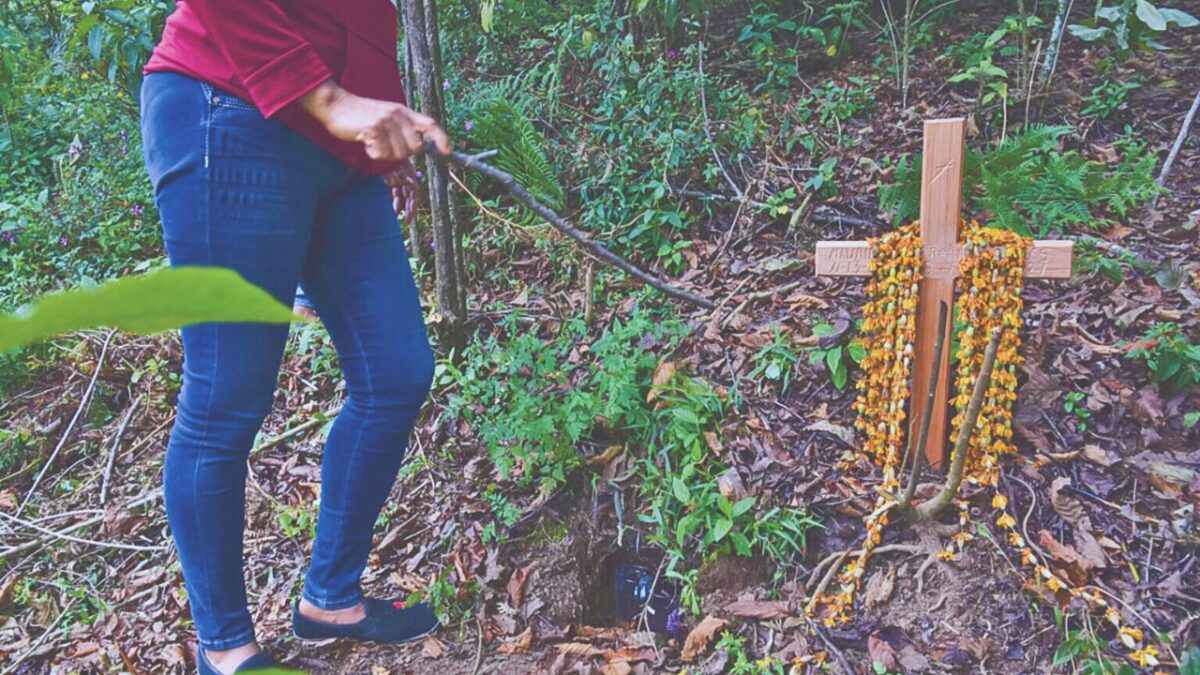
(1029, 184)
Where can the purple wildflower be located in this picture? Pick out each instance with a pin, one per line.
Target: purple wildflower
(470, 125)
(136, 209)
(672, 54)
(64, 241)
(420, 175)
(9, 236)
(446, 85)
(675, 622)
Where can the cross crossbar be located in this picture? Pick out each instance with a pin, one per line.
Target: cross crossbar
(1045, 259)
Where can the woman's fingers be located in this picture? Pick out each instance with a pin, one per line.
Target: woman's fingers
(412, 139)
(410, 204)
(388, 131)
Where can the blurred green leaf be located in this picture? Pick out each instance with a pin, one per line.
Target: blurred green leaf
(146, 303)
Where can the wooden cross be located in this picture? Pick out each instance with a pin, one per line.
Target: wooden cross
(941, 191)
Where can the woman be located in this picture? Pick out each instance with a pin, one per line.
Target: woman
(268, 129)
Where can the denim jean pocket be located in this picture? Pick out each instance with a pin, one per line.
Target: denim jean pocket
(219, 98)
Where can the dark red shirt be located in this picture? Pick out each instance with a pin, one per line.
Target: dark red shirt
(272, 52)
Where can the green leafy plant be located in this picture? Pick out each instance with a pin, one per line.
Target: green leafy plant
(1075, 404)
(741, 663)
(1108, 97)
(297, 521)
(821, 182)
(450, 601)
(1029, 185)
(1131, 24)
(775, 361)
(499, 124)
(766, 38)
(146, 304)
(680, 491)
(118, 35)
(1173, 360)
(837, 357)
(979, 61)
(1085, 649)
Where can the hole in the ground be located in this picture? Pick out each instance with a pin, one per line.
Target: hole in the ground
(624, 585)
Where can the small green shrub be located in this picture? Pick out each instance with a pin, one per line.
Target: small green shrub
(1173, 360)
(1131, 25)
(775, 361)
(1108, 97)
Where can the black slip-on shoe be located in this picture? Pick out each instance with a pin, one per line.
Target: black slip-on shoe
(260, 661)
(391, 622)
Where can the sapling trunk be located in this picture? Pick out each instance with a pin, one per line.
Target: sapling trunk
(929, 510)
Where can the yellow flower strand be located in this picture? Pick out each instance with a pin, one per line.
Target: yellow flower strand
(989, 285)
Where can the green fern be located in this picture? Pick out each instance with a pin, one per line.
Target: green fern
(500, 125)
(1028, 185)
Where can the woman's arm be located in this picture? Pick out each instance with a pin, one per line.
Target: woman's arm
(278, 67)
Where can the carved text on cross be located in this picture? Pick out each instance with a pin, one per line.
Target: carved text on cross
(942, 170)
(1045, 259)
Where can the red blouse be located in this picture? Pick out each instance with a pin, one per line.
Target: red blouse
(272, 52)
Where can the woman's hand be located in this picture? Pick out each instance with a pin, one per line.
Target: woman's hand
(388, 131)
(406, 189)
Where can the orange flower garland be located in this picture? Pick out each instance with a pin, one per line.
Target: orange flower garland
(989, 285)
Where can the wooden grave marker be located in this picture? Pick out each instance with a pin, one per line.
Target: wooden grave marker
(941, 192)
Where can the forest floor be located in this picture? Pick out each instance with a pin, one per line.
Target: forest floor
(1133, 474)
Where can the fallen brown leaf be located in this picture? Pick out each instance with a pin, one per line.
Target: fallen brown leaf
(581, 649)
(1066, 505)
(844, 433)
(880, 587)
(699, 638)
(1066, 558)
(1097, 455)
(763, 610)
(433, 648)
(516, 587)
(610, 453)
(881, 651)
(662, 377)
(519, 644)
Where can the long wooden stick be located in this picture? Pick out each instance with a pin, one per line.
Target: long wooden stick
(929, 510)
(593, 247)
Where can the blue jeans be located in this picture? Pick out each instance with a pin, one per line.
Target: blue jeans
(236, 190)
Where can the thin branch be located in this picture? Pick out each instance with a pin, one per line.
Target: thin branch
(594, 248)
(112, 455)
(66, 537)
(922, 437)
(708, 126)
(1183, 134)
(930, 509)
(62, 441)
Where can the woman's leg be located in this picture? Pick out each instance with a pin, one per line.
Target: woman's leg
(236, 191)
(359, 277)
